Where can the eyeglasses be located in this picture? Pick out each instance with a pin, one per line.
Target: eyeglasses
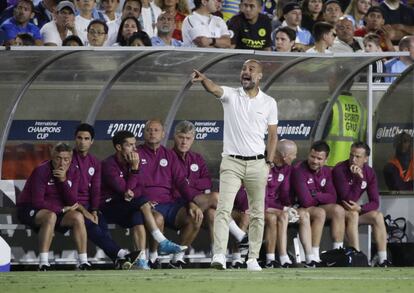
(93, 32)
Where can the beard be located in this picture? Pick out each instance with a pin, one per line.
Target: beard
(248, 84)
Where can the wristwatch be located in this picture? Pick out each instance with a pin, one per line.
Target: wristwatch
(270, 163)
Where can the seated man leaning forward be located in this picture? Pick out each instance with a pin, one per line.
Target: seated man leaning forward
(122, 200)
(199, 180)
(313, 186)
(48, 203)
(352, 178)
(161, 173)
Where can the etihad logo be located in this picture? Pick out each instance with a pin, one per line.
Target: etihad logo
(257, 44)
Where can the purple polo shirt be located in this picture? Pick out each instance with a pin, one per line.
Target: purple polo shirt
(117, 178)
(241, 203)
(196, 172)
(161, 174)
(306, 182)
(12, 29)
(43, 191)
(350, 186)
(89, 167)
(278, 187)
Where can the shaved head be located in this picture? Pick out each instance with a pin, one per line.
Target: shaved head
(286, 146)
(260, 66)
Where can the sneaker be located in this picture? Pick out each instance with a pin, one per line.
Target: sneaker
(127, 262)
(272, 264)
(154, 265)
(178, 264)
(44, 268)
(219, 261)
(313, 264)
(385, 264)
(253, 265)
(168, 247)
(286, 265)
(142, 264)
(84, 266)
(237, 264)
(244, 243)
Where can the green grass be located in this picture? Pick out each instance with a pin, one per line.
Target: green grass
(398, 280)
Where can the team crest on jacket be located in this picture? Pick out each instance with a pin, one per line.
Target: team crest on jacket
(363, 185)
(163, 163)
(31, 213)
(194, 167)
(91, 171)
(323, 182)
(280, 178)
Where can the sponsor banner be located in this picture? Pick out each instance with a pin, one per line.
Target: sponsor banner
(42, 130)
(105, 129)
(386, 132)
(295, 129)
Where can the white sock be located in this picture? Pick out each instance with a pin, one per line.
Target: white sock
(270, 257)
(315, 250)
(309, 258)
(382, 255)
(83, 258)
(178, 256)
(236, 231)
(142, 255)
(158, 236)
(337, 245)
(43, 258)
(284, 259)
(236, 256)
(121, 253)
(153, 256)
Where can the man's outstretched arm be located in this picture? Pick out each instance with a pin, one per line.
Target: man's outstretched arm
(208, 84)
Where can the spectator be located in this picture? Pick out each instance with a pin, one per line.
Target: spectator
(332, 11)
(230, 8)
(97, 33)
(128, 27)
(54, 32)
(202, 29)
(313, 186)
(165, 28)
(48, 203)
(399, 17)
(19, 23)
(148, 18)
(352, 178)
(161, 173)
(292, 14)
(399, 64)
(345, 42)
(356, 12)
(375, 24)
(372, 44)
(86, 10)
(131, 8)
(311, 13)
(44, 12)
(110, 10)
(179, 9)
(139, 39)
(324, 35)
(122, 199)
(251, 29)
(89, 196)
(72, 41)
(399, 171)
(284, 39)
(24, 39)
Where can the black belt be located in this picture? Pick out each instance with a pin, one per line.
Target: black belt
(258, 157)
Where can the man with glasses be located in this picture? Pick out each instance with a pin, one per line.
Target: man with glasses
(97, 33)
(55, 31)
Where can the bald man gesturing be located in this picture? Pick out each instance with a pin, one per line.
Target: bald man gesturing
(248, 115)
